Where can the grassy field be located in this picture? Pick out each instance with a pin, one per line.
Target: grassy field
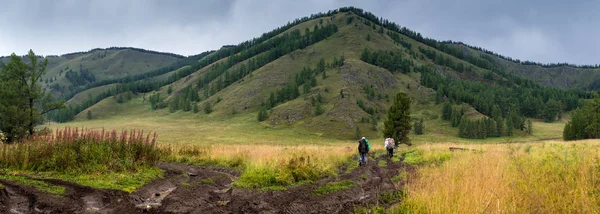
(543, 177)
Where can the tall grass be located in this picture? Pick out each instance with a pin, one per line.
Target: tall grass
(551, 177)
(265, 166)
(82, 151)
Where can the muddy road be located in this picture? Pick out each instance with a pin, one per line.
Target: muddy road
(202, 189)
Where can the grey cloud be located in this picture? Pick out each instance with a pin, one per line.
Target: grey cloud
(543, 31)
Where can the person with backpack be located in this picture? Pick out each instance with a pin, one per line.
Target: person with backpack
(363, 150)
(389, 146)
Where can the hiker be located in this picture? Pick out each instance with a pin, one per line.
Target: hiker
(363, 150)
(389, 146)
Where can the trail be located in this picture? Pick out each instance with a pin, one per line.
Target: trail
(204, 189)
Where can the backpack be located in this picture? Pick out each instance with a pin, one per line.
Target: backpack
(390, 143)
(362, 146)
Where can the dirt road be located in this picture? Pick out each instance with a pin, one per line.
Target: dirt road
(202, 189)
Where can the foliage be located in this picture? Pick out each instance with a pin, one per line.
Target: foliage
(185, 100)
(584, 123)
(208, 108)
(519, 97)
(397, 125)
(418, 127)
(262, 114)
(392, 61)
(22, 100)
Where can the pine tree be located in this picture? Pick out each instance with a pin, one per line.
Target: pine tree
(446, 111)
(398, 124)
(529, 127)
(509, 127)
(499, 127)
(418, 127)
(22, 100)
(319, 109)
(89, 114)
(262, 114)
(195, 108)
(373, 122)
(207, 108)
(462, 128)
(321, 66)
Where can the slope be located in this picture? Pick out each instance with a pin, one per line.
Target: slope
(68, 72)
(339, 83)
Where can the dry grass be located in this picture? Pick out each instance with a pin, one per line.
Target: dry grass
(548, 177)
(266, 166)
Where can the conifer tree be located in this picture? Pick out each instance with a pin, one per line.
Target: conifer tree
(262, 114)
(22, 100)
(398, 124)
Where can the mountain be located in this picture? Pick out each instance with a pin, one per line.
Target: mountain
(69, 72)
(336, 72)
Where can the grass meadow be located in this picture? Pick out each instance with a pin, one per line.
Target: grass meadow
(543, 177)
(520, 174)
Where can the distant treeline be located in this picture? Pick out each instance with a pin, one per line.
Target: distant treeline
(124, 48)
(525, 97)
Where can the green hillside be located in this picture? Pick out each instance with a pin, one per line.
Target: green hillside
(68, 72)
(335, 74)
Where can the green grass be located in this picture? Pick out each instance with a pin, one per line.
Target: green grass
(207, 181)
(371, 210)
(382, 163)
(363, 176)
(333, 187)
(388, 197)
(418, 156)
(106, 159)
(125, 181)
(273, 188)
(402, 176)
(40, 185)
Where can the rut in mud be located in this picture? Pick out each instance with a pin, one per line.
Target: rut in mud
(202, 189)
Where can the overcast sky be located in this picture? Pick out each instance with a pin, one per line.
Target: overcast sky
(538, 30)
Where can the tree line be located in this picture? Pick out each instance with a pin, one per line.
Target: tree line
(391, 60)
(524, 97)
(585, 122)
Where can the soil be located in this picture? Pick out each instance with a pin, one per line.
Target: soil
(204, 189)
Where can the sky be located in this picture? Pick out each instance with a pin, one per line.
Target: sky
(546, 31)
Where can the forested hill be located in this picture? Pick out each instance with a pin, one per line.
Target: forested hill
(337, 71)
(67, 73)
